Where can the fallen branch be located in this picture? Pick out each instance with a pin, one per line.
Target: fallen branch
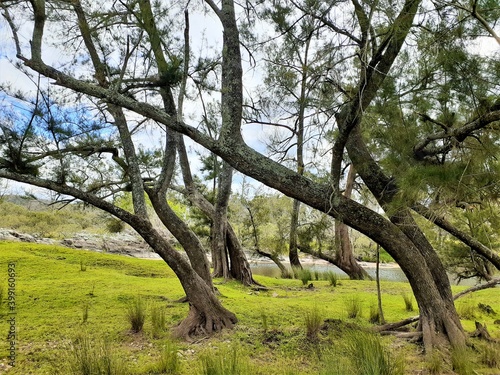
(393, 326)
(489, 284)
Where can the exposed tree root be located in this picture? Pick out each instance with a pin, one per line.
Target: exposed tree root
(204, 323)
(481, 332)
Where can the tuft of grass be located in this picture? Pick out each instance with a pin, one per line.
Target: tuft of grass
(136, 314)
(85, 311)
(408, 298)
(313, 321)
(332, 278)
(83, 266)
(158, 320)
(467, 310)
(304, 275)
(369, 356)
(353, 306)
(490, 355)
(374, 317)
(317, 275)
(264, 320)
(461, 361)
(225, 361)
(87, 357)
(434, 363)
(169, 361)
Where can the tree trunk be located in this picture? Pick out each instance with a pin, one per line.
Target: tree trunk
(293, 253)
(206, 313)
(344, 254)
(239, 266)
(439, 320)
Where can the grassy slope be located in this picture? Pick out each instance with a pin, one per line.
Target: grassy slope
(52, 291)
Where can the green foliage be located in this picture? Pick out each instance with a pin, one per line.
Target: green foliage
(37, 218)
(370, 356)
(466, 309)
(115, 225)
(435, 363)
(136, 314)
(361, 353)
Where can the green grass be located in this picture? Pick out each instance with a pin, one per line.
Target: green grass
(56, 302)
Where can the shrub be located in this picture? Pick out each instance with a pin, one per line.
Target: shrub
(313, 321)
(115, 225)
(353, 306)
(304, 275)
(408, 298)
(136, 314)
(158, 319)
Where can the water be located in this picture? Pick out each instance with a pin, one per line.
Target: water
(387, 272)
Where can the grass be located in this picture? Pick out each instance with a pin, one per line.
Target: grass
(313, 321)
(408, 299)
(136, 314)
(332, 278)
(353, 307)
(51, 291)
(158, 319)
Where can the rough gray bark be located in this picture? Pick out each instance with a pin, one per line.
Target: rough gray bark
(239, 266)
(220, 257)
(344, 253)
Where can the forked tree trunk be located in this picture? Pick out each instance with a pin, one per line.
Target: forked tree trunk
(206, 313)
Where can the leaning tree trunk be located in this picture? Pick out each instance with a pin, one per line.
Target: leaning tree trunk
(439, 320)
(206, 313)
